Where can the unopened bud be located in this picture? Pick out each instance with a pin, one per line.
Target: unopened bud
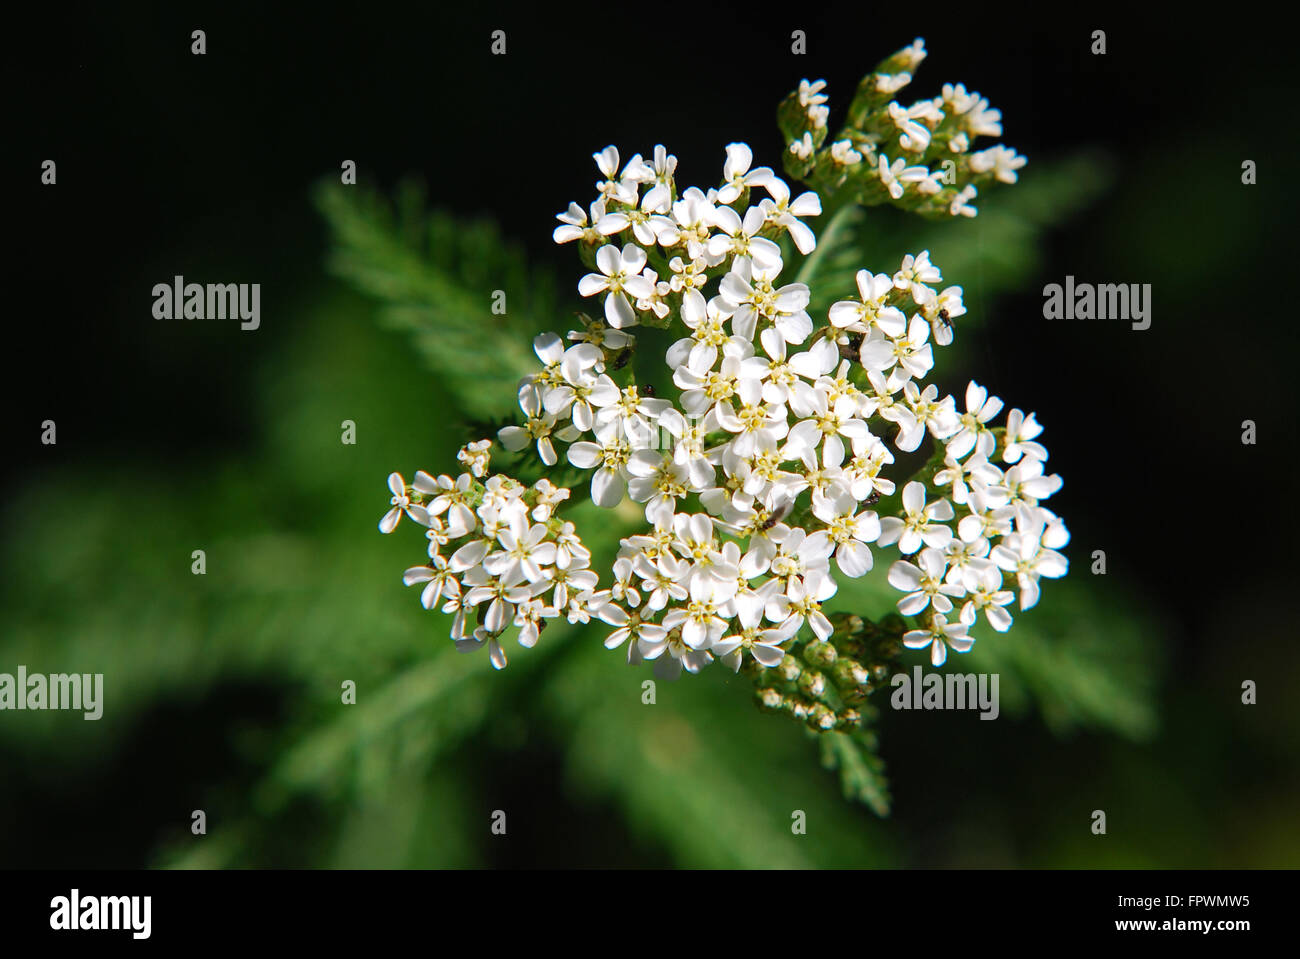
(821, 655)
(790, 669)
(848, 673)
(812, 683)
(821, 718)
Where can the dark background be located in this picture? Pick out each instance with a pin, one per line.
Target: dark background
(171, 163)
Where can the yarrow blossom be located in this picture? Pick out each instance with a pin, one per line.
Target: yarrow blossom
(765, 482)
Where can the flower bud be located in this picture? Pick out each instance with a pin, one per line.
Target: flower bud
(821, 655)
(812, 683)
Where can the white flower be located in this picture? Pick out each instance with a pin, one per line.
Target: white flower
(574, 224)
(939, 636)
(577, 610)
(984, 585)
(550, 350)
(848, 529)
(469, 555)
(911, 353)
(840, 385)
(568, 547)
(480, 639)
(634, 413)
(960, 205)
(763, 645)
(580, 388)
(918, 525)
(688, 448)
(740, 238)
(915, 272)
(892, 83)
(599, 334)
(925, 583)
(703, 387)
(750, 291)
(692, 220)
(609, 456)
(475, 456)
(915, 137)
(870, 312)
(1025, 483)
(802, 600)
(548, 498)
(802, 555)
(981, 120)
(782, 211)
(986, 521)
(615, 190)
(941, 309)
(699, 620)
(399, 504)
(757, 424)
(622, 590)
(706, 321)
(1024, 553)
(842, 152)
(662, 170)
(529, 618)
(441, 581)
(1021, 430)
(975, 472)
(939, 416)
(575, 579)
(538, 427)
(981, 406)
(911, 55)
(680, 655)
(894, 176)
(695, 540)
(620, 274)
(501, 594)
(438, 537)
(523, 553)
(777, 374)
(862, 471)
(661, 579)
(956, 99)
(810, 94)
(449, 497)
(1003, 161)
(812, 100)
(829, 426)
(964, 558)
(657, 480)
(889, 407)
(634, 631)
(644, 222)
(736, 174)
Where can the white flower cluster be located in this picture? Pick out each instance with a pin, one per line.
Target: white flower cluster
(766, 478)
(777, 419)
(917, 155)
(508, 560)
